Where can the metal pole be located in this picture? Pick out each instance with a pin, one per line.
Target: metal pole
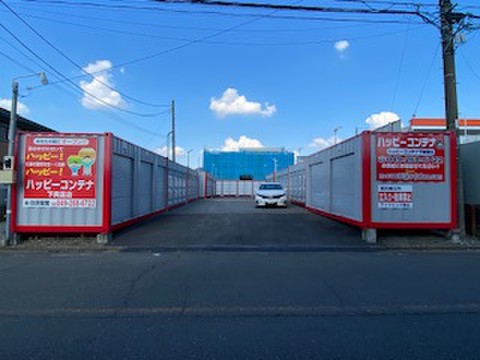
(188, 157)
(448, 18)
(168, 145)
(188, 172)
(335, 134)
(11, 143)
(173, 130)
(274, 169)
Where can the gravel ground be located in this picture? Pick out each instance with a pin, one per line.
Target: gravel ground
(407, 241)
(60, 244)
(424, 240)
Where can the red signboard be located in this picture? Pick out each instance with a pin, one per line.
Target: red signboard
(410, 157)
(60, 171)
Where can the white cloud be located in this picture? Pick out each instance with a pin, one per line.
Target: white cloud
(381, 119)
(242, 142)
(232, 103)
(22, 109)
(179, 151)
(322, 143)
(99, 93)
(341, 46)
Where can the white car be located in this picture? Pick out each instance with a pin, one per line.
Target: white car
(271, 194)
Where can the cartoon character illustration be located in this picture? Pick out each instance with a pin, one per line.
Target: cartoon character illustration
(74, 162)
(88, 157)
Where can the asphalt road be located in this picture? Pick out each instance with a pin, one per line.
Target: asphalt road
(236, 223)
(240, 305)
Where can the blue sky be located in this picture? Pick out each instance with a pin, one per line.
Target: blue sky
(239, 77)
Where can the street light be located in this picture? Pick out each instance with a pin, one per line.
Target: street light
(275, 161)
(335, 134)
(188, 157)
(12, 128)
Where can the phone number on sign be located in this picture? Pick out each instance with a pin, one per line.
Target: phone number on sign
(60, 203)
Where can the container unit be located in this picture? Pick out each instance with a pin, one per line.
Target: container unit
(236, 188)
(293, 179)
(92, 183)
(281, 177)
(207, 185)
(379, 180)
(193, 185)
(471, 174)
(228, 188)
(412, 180)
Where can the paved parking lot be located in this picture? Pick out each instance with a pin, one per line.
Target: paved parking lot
(236, 223)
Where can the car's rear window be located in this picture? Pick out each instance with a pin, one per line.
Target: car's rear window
(270, 187)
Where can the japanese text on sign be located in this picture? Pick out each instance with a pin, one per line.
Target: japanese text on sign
(60, 171)
(410, 157)
(395, 197)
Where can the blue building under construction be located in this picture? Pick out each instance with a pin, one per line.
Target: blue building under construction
(246, 164)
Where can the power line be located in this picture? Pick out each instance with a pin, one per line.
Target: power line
(70, 81)
(191, 42)
(324, 9)
(69, 59)
(195, 28)
(469, 65)
(400, 66)
(29, 58)
(179, 27)
(385, 2)
(291, 43)
(23, 66)
(427, 77)
(130, 8)
(111, 115)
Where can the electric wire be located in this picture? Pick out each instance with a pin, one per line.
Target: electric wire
(16, 62)
(469, 65)
(390, 3)
(69, 59)
(130, 8)
(169, 50)
(70, 81)
(400, 67)
(68, 92)
(232, 43)
(111, 115)
(427, 78)
(270, 6)
(174, 27)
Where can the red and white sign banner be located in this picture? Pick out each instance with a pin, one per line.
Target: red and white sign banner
(395, 197)
(410, 157)
(60, 171)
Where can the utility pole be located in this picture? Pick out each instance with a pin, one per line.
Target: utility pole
(12, 128)
(173, 130)
(447, 19)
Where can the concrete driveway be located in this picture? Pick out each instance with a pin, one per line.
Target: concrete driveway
(236, 223)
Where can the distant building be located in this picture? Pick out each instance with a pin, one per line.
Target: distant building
(246, 164)
(469, 128)
(22, 124)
